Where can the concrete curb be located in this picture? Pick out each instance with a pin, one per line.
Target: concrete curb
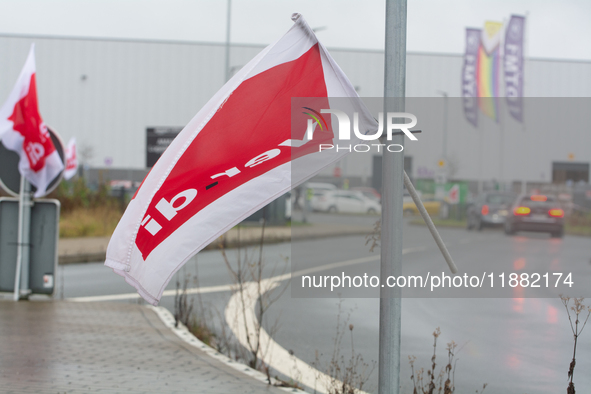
(92, 249)
(184, 334)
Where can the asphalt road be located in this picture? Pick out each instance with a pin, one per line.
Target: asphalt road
(516, 345)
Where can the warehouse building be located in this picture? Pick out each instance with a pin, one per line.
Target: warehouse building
(124, 100)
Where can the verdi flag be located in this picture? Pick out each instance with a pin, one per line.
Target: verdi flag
(233, 158)
(469, 86)
(23, 131)
(513, 62)
(488, 71)
(71, 160)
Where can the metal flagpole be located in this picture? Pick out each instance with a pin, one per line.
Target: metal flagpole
(228, 21)
(392, 195)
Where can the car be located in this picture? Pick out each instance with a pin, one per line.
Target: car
(369, 192)
(321, 186)
(431, 206)
(489, 209)
(346, 201)
(313, 191)
(537, 212)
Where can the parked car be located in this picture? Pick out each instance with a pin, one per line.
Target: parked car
(348, 201)
(313, 191)
(489, 209)
(321, 186)
(431, 205)
(369, 192)
(536, 213)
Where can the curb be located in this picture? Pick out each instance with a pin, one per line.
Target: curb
(184, 334)
(251, 236)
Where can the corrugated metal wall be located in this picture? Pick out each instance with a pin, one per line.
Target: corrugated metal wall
(107, 92)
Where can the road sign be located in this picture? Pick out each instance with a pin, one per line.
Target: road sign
(157, 140)
(42, 244)
(10, 177)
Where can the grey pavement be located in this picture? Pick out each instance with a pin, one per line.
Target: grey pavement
(67, 347)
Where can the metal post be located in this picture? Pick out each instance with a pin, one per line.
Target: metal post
(306, 204)
(228, 20)
(445, 111)
(392, 187)
(21, 280)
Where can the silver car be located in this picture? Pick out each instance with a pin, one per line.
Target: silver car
(347, 201)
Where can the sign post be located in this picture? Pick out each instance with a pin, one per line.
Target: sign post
(15, 184)
(41, 249)
(21, 281)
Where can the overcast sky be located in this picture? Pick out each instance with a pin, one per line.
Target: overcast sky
(558, 29)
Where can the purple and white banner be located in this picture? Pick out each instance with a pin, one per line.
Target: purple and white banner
(469, 81)
(513, 64)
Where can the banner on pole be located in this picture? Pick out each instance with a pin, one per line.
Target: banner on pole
(469, 81)
(489, 69)
(513, 65)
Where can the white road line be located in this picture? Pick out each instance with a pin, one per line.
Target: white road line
(166, 293)
(222, 288)
(242, 320)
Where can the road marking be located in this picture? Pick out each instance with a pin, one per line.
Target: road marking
(241, 319)
(166, 293)
(222, 288)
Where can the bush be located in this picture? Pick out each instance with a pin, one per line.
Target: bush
(86, 212)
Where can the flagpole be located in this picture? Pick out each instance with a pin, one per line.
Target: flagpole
(228, 21)
(392, 195)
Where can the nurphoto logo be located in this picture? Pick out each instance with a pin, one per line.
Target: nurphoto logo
(344, 132)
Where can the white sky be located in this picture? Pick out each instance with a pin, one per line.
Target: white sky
(558, 29)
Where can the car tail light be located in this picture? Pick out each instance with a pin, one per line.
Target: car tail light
(484, 210)
(521, 211)
(538, 197)
(556, 213)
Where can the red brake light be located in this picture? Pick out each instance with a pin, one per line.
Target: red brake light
(556, 213)
(538, 197)
(484, 210)
(521, 211)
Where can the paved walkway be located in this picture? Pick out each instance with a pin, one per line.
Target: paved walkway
(65, 347)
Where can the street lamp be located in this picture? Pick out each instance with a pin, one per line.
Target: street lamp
(444, 148)
(443, 163)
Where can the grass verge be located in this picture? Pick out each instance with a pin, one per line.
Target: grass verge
(440, 222)
(89, 222)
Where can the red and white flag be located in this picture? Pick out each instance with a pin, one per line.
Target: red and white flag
(240, 152)
(23, 131)
(71, 160)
